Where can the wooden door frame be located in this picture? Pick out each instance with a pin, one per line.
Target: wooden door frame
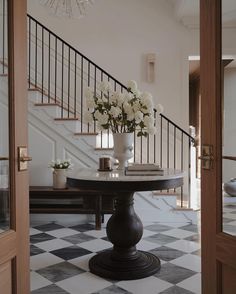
(218, 248)
(210, 69)
(14, 243)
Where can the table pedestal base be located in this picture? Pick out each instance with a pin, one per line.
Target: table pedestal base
(142, 265)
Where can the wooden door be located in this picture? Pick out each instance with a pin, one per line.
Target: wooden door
(14, 211)
(218, 247)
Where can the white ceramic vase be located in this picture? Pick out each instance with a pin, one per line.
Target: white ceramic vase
(59, 178)
(123, 148)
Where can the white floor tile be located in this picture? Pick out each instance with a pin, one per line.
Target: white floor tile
(192, 284)
(96, 233)
(84, 284)
(150, 285)
(37, 281)
(184, 245)
(95, 245)
(43, 260)
(53, 244)
(34, 231)
(178, 233)
(146, 245)
(230, 216)
(192, 262)
(61, 233)
(82, 262)
(147, 233)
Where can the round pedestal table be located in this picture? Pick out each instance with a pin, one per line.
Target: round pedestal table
(124, 228)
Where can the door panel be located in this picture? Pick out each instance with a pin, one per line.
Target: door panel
(218, 248)
(14, 243)
(6, 278)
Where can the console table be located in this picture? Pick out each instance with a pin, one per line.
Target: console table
(45, 199)
(124, 228)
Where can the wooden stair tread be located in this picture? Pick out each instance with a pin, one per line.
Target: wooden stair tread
(103, 148)
(66, 119)
(85, 134)
(46, 104)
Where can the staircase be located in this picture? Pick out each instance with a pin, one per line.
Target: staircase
(58, 76)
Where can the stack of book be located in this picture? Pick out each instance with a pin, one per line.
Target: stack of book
(147, 169)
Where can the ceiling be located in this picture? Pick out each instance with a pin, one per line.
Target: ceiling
(187, 11)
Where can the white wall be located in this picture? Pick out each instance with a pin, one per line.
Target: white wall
(118, 34)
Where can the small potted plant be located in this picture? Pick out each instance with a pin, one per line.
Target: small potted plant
(60, 167)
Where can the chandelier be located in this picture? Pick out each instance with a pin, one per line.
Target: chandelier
(68, 8)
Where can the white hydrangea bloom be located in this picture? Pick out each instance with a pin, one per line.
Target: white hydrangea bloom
(148, 120)
(151, 130)
(138, 117)
(132, 85)
(128, 96)
(159, 108)
(136, 106)
(120, 99)
(104, 86)
(127, 108)
(115, 111)
(102, 118)
(146, 100)
(114, 97)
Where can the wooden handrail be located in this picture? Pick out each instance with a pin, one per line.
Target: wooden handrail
(3, 158)
(229, 157)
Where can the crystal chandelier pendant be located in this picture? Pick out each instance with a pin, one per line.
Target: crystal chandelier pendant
(68, 8)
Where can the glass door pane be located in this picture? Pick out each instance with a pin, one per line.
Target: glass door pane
(4, 120)
(229, 117)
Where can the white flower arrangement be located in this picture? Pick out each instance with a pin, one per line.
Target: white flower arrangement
(122, 112)
(61, 164)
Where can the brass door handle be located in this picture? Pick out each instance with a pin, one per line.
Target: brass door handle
(25, 158)
(206, 157)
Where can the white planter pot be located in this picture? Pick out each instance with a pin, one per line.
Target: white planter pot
(230, 187)
(59, 178)
(123, 148)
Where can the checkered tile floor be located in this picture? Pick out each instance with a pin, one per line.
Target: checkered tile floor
(59, 260)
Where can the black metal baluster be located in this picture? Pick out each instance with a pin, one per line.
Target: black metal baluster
(154, 138)
(141, 149)
(182, 165)
(189, 171)
(88, 126)
(134, 146)
(29, 71)
(75, 89)
(168, 144)
(62, 79)
(101, 96)
(174, 151)
(42, 69)
(161, 143)
(36, 56)
(3, 38)
(55, 89)
(95, 91)
(81, 92)
(49, 66)
(148, 139)
(68, 82)
(108, 132)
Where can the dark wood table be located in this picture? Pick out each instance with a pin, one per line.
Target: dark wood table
(124, 228)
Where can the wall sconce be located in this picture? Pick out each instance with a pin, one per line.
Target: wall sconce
(150, 65)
